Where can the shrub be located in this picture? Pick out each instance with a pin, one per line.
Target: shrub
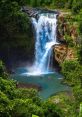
(69, 40)
(72, 72)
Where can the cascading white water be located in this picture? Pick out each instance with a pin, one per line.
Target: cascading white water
(45, 38)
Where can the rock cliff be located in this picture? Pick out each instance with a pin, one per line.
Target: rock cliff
(67, 35)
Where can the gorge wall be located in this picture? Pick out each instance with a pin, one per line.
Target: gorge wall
(68, 37)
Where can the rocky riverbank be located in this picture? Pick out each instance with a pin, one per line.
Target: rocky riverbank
(29, 86)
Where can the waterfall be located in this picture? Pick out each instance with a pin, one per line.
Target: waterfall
(45, 38)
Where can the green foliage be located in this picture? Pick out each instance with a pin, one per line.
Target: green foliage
(66, 103)
(35, 116)
(25, 107)
(69, 4)
(1, 68)
(80, 27)
(72, 72)
(7, 87)
(80, 54)
(26, 93)
(59, 3)
(77, 92)
(68, 66)
(3, 72)
(80, 114)
(4, 102)
(51, 110)
(69, 40)
(74, 5)
(15, 30)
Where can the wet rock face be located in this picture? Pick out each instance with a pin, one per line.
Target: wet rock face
(63, 52)
(60, 52)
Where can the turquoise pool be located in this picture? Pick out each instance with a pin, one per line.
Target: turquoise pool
(50, 83)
